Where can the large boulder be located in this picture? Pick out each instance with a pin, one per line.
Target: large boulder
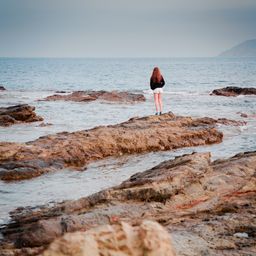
(18, 114)
(234, 91)
(148, 238)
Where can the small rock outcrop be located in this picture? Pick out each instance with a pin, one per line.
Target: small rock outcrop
(233, 91)
(18, 114)
(77, 149)
(209, 208)
(148, 238)
(242, 114)
(87, 96)
(60, 92)
(2, 88)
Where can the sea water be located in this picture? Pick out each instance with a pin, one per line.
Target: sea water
(188, 84)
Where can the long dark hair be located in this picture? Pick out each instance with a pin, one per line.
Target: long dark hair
(156, 75)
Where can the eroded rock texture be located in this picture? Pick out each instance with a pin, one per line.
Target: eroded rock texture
(209, 208)
(148, 238)
(18, 114)
(86, 96)
(234, 91)
(75, 150)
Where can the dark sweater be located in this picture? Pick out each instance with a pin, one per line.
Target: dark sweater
(154, 85)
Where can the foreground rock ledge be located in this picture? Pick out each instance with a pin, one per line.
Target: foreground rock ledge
(148, 238)
(209, 208)
(232, 91)
(87, 96)
(18, 114)
(77, 149)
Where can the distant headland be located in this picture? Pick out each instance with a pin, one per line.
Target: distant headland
(245, 49)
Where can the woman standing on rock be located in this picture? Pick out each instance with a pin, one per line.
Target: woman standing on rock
(156, 84)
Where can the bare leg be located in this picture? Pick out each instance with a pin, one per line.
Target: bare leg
(160, 102)
(156, 101)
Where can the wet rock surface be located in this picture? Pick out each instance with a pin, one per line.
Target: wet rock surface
(87, 96)
(148, 238)
(202, 204)
(232, 91)
(75, 150)
(18, 114)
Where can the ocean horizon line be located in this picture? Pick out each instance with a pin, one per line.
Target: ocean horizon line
(102, 58)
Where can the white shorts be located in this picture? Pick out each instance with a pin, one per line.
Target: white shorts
(158, 90)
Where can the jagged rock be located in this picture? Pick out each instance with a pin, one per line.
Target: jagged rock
(148, 238)
(202, 204)
(86, 96)
(234, 91)
(77, 149)
(2, 88)
(18, 114)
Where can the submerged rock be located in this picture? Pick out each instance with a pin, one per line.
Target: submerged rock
(44, 124)
(18, 114)
(234, 91)
(77, 149)
(86, 96)
(201, 203)
(148, 238)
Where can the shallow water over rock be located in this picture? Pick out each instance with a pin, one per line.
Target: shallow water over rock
(188, 84)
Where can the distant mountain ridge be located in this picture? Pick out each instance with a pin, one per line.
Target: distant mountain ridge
(245, 49)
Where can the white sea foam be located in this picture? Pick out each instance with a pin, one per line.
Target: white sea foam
(242, 128)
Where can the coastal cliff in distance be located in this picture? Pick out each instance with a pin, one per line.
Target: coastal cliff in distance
(245, 49)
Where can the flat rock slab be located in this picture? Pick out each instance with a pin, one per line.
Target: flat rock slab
(232, 91)
(77, 149)
(18, 114)
(87, 96)
(203, 205)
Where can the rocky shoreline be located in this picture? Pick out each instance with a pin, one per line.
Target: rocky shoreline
(75, 150)
(18, 114)
(207, 208)
(232, 91)
(88, 96)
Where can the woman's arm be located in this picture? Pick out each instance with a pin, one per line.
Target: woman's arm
(162, 82)
(151, 84)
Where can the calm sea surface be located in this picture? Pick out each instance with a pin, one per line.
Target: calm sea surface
(188, 84)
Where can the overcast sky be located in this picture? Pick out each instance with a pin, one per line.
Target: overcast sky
(124, 28)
